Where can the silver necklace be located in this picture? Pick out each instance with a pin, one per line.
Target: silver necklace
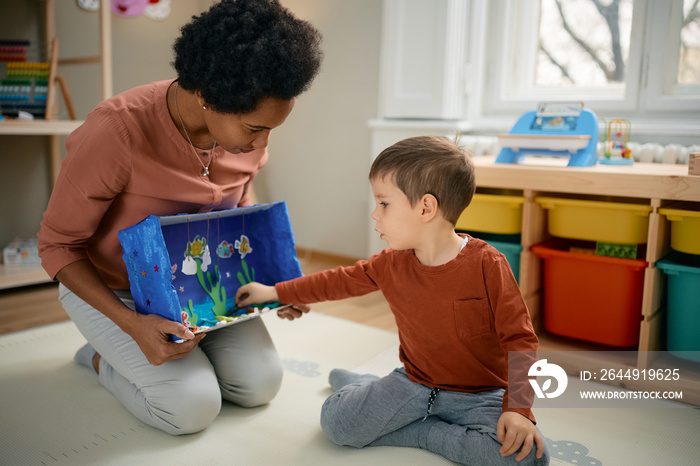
(205, 168)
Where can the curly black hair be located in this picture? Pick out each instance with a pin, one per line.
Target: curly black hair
(241, 52)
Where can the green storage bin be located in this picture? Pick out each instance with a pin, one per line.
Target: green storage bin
(683, 304)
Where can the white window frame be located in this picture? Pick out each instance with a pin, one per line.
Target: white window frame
(650, 89)
(662, 92)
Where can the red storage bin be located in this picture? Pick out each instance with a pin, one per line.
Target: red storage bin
(589, 297)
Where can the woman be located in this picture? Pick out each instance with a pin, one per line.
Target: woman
(184, 146)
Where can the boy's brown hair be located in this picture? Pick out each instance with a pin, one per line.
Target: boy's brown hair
(429, 165)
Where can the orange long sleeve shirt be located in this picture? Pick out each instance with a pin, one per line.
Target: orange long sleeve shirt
(456, 321)
(128, 161)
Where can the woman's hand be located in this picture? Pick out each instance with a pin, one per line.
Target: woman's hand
(293, 312)
(152, 334)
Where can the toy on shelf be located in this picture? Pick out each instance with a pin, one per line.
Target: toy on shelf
(27, 87)
(616, 150)
(624, 251)
(555, 129)
(24, 86)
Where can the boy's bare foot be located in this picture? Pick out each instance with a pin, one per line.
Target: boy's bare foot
(96, 362)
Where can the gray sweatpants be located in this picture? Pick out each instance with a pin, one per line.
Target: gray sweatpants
(238, 363)
(390, 411)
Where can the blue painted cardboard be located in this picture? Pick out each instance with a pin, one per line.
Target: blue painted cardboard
(188, 267)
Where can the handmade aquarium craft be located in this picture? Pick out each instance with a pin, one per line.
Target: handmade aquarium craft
(188, 267)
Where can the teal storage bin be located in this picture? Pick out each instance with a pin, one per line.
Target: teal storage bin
(512, 252)
(683, 304)
(508, 245)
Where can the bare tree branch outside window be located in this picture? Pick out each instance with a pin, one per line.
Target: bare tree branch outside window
(586, 42)
(585, 33)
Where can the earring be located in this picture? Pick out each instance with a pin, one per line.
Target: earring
(204, 107)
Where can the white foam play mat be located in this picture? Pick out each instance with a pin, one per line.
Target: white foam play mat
(54, 412)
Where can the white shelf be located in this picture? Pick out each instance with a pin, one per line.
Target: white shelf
(13, 276)
(39, 127)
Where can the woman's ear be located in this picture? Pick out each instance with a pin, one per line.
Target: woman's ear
(199, 98)
(429, 207)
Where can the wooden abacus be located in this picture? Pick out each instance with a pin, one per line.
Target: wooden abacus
(30, 86)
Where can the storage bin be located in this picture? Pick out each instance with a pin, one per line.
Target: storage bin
(685, 227)
(592, 298)
(512, 252)
(493, 213)
(508, 245)
(683, 305)
(612, 222)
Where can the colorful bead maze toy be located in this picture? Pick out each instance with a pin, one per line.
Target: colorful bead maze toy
(616, 150)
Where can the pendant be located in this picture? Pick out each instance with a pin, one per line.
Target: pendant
(205, 171)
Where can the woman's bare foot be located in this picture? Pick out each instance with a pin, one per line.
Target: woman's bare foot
(96, 362)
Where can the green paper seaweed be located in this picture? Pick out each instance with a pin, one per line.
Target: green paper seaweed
(247, 274)
(216, 292)
(192, 317)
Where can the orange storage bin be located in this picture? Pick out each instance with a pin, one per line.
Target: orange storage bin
(592, 298)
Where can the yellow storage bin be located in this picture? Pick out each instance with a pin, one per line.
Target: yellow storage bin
(613, 222)
(685, 227)
(493, 213)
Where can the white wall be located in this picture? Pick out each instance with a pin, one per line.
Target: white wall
(319, 159)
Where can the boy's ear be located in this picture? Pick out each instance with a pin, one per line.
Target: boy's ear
(429, 207)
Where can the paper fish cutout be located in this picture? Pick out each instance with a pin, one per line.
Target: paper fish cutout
(224, 250)
(243, 246)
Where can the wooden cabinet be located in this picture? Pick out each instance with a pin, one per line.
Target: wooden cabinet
(655, 184)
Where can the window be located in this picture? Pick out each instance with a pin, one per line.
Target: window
(621, 57)
(689, 49)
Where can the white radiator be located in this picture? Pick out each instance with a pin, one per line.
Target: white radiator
(648, 153)
(656, 153)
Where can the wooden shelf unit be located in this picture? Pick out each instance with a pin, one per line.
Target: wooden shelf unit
(655, 184)
(38, 127)
(17, 276)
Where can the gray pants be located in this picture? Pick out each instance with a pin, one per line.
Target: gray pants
(238, 363)
(390, 411)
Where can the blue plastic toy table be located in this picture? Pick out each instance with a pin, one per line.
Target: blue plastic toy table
(553, 130)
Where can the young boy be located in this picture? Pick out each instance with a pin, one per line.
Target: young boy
(458, 310)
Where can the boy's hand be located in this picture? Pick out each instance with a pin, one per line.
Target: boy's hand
(515, 430)
(255, 293)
